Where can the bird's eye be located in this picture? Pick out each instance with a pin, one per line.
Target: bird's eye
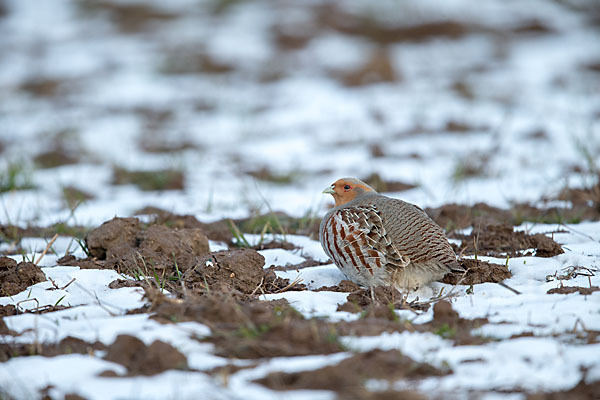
(347, 187)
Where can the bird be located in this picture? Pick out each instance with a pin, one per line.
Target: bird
(377, 240)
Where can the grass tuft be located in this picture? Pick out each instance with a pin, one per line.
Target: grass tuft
(165, 179)
(15, 176)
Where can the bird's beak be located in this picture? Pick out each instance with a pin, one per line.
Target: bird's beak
(329, 190)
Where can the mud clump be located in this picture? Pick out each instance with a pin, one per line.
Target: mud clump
(240, 270)
(378, 68)
(381, 185)
(69, 345)
(379, 318)
(218, 231)
(308, 226)
(140, 359)
(582, 391)
(121, 283)
(449, 325)
(574, 289)
(4, 330)
(7, 310)
(477, 272)
(455, 216)
(112, 238)
(160, 245)
(348, 377)
(502, 240)
(344, 286)
(172, 256)
(361, 298)
(14, 278)
(124, 246)
(249, 330)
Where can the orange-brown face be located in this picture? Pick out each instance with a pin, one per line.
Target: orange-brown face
(346, 189)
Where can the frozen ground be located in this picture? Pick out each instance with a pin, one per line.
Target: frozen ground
(550, 356)
(260, 106)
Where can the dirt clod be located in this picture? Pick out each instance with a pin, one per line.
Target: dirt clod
(112, 238)
(381, 185)
(218, 231)
(254, 329)
(7, 310)
(69, 345)
(501, 240)
(574, 289)
(344, 286)
(14, 278)
(449, 325)
(125, 246)
(121, 283)
(582, 391)
(477, 272)
(241, 270)
(348, 377)
(140, 359)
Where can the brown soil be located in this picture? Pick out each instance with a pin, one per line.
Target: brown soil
(4, 328)
(309, 262)
(254, 329)
(348, 377)
(170, 256)
(378, 68)
(574, 289)
(121, 283)
(218, 231)
(42, 87)
(123, 245)
(128, 18)
(335, 18)
(74, 196)
(140, 359)
(447, 324)
(582, 196)
(68, 345)
(187, 60)
(11, 309)
(383, 295)
(582, 391)
(55, 158)
(380, 318)
(108, 241)
(275, 244)
(380, 185)
(308, 226)
(74, 396)
(14, 278)
(167, 179)
(15, 233)
(454, 216)
(8, 310)
(223, 271)
(344, 286)
(477, 272)
(502, 240)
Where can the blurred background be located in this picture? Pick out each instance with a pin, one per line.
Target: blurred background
(225, 108)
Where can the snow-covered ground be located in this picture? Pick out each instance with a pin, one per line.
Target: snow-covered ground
(502, 107)
(550, 360)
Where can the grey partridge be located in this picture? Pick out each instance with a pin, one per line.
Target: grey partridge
(380, 241)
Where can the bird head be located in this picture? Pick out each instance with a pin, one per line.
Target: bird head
(347, 189)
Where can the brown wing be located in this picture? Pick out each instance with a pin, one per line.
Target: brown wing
(369, 239)
(415, 235)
